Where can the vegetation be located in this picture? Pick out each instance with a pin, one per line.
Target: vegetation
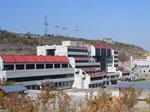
(142, 79)
(60, 101)
(12, 43)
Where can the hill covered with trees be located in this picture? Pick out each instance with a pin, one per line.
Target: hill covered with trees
(12, 43)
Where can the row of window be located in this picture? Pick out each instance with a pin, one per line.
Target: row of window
(56, 85)
(96, 85)
(140, 60)
(77, 55)
(42, 77)
(77, 50)
(81, 61)
(98, 78)
(33, 66)
(88, 66)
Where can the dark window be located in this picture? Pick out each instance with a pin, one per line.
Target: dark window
(64, 65)
(77, 50)
(30, 66)
(115, 56)
(42, 77)
(57, 65)
(49, 65)
(81, 61)
(19, 67)
(116, 65)
(96, 78)
(116, 60)
(77, 55)
(89, 66)
(39, 66)
(8, 67)
(51, 52)
(103, 52)
(108, 52)
(115, 52)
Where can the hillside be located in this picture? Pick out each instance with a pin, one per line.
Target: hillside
(11, 43)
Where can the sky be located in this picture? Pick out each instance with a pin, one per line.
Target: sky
(126, 21)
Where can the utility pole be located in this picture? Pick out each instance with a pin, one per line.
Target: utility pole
(57, 30)
(76, 31)
(45, 26)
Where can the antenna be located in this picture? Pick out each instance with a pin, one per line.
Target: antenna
(64, 28)
(45, 26)
(57, 29)
(76, 31)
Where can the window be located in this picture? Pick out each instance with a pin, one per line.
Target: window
(8, 67)
(39, 66)
(57, 65)
(19, 66)
(30, 66)
(49, 65)
(64, 65)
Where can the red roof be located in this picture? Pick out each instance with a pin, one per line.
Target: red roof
(81, 58)
(32, 58)
(101, 46)
(122, 69)
(88, 69)
(125, 71)
(139, 57)
(77, 47)
(98, 74)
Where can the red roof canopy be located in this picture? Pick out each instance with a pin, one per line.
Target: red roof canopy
(88, 69)
(32, 58)
(101, 46)
(98, 74)
(81, 58)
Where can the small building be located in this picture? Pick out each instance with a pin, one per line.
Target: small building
(9, 89)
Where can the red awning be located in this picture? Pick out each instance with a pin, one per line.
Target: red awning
(32, 58)
(88, 69)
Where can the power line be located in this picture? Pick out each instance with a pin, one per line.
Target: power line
(64, 28)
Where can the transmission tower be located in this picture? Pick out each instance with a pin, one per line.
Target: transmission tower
(45, 26)
(64, 29)
(57, 29)
(76, 31)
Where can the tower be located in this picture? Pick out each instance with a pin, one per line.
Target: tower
(76, 31)
(57, 29)
(64, 29)
(45, 26)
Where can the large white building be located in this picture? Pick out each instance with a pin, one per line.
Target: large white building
(36, 71)
(94, 64)
(140, 65)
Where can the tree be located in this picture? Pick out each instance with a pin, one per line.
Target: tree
(64, 101)
(47, 97)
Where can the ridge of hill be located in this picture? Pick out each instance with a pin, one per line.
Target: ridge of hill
(12, 43)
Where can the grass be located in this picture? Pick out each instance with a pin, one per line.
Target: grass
(142, 79)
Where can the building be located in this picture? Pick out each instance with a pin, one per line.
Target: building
(92, 62)
(108, 40)
(140, 65)
(36, 71)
